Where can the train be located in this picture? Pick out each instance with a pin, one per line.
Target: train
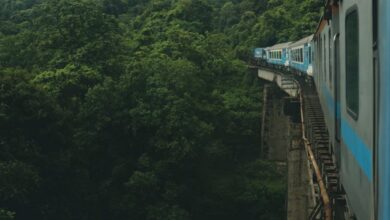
(348, 59)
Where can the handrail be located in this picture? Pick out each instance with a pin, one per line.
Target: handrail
(324, 193)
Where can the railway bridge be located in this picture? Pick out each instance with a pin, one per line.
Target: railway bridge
(314, 191)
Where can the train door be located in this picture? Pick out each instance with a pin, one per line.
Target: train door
(383, 150)
(376, 102)
(336, 84)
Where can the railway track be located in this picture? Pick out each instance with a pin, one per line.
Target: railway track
(318, 138)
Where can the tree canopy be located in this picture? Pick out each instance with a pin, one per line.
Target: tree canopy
(138, 109)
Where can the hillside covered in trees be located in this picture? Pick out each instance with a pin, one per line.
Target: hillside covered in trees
(138, 109)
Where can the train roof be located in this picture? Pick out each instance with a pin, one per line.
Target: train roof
(279, 46)
(302, 41)
(329, 7)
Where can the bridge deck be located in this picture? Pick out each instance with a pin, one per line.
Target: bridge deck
(304, 193)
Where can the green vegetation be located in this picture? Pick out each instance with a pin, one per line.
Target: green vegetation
(136, 109)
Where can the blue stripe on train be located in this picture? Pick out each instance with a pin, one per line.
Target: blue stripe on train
(355, 144)
(358, 148)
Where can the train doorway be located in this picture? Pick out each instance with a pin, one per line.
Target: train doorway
(336, 83)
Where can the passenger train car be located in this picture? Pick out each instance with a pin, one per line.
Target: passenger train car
(301, 55)
(260, 53)
(348, 57)
(277, 54)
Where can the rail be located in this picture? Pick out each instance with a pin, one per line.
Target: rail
(324, 193)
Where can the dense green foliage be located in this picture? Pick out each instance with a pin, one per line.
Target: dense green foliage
(135, 109)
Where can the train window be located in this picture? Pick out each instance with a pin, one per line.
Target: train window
(296, 55)
(352, 63)
(299, 55)
(276, 55)
(312, 58)
(309, 54)
(293, 55)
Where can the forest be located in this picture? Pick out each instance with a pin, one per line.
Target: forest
(138, 109)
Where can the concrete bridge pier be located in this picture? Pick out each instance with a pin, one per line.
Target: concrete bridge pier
(282, 142)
